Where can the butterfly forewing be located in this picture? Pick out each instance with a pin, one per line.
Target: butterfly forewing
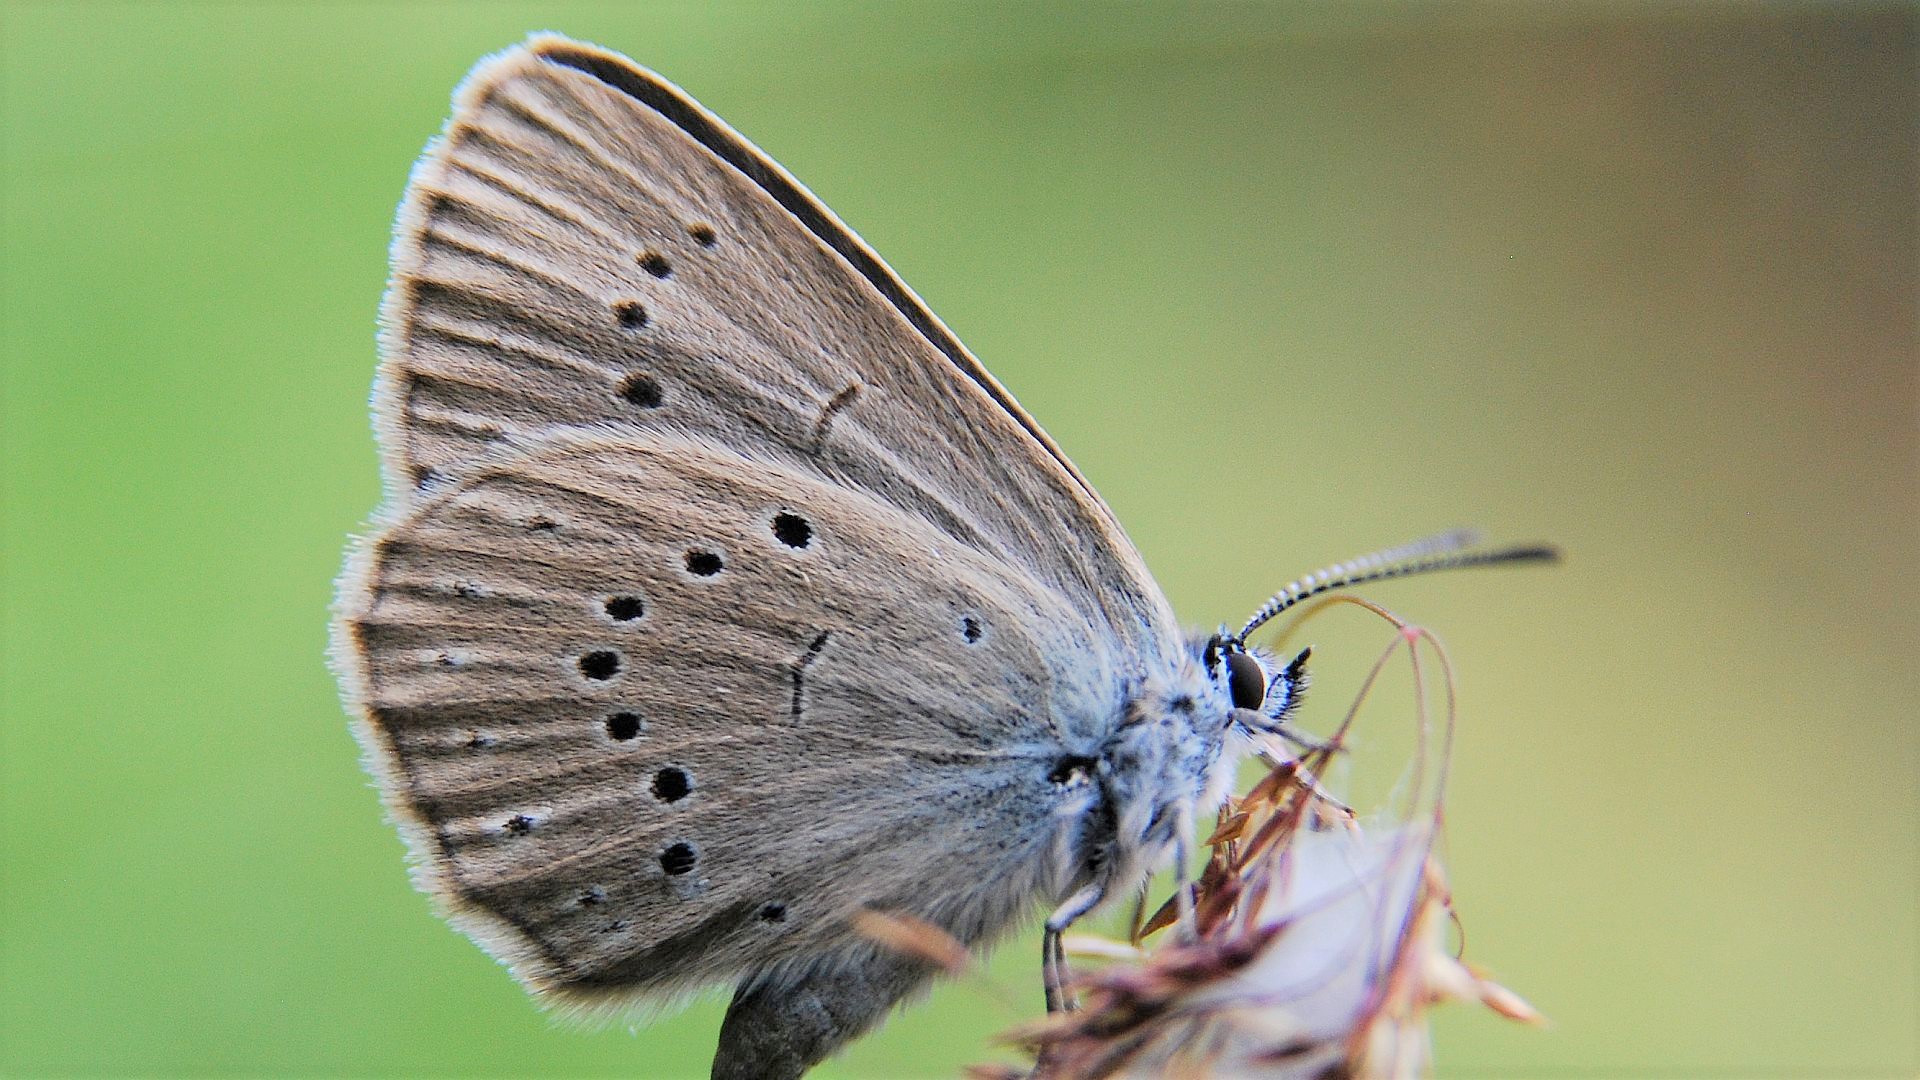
(586, 246)
(657, 713)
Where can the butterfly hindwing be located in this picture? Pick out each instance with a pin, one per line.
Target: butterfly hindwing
(656, 713)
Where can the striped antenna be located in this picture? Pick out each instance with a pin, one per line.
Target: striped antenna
(1447, 551)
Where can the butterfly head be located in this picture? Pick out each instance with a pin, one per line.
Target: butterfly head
(1173, 754)
(1260, 690)
(1186, 721)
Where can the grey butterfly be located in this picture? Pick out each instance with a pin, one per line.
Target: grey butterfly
(720, 594)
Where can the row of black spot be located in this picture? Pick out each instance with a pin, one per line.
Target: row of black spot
(670, 784)
(640, 388)
(789, 528)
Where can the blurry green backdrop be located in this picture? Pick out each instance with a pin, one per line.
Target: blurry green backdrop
(1639, 279)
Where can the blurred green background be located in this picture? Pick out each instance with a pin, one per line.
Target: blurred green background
(1639, 279)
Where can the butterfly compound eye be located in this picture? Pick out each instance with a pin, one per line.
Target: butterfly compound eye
(1246, 681)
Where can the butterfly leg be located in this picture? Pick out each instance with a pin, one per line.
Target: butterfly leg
(1053, 963)
(780, 1025)
(1053, 955)
(1188, 928)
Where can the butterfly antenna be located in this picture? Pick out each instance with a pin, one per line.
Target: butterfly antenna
(1447, 551)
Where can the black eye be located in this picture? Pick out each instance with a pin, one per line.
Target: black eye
(1246, 681)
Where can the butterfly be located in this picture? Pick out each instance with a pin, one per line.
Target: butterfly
(720, 595)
